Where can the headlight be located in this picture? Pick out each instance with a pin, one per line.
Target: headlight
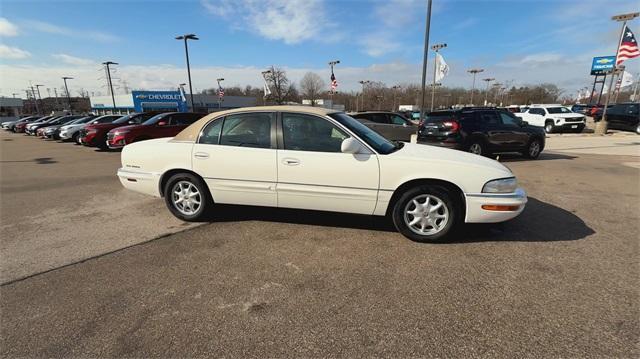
(504, 185)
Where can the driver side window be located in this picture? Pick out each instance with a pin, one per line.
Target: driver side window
(397, 120)
(507, 120)
(310, 133)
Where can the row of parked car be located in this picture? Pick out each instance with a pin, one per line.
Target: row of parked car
(107, 131)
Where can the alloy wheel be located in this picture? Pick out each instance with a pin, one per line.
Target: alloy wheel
(186, 198)
(426, 214)
(476, 149)
(534, 149)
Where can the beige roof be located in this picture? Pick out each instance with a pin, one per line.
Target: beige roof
(190, 133)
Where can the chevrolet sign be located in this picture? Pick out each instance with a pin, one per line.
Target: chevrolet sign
(602, 65)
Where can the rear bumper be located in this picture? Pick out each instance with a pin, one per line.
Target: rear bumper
(451, 145)
(140, 181)
(476, 214)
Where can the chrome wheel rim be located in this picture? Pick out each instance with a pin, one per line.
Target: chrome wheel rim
(548, 128)
(426, 214)
(534, 148)
(186, 198)
(476, 149)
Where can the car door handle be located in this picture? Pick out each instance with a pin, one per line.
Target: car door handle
(291, 161)
(201, 155)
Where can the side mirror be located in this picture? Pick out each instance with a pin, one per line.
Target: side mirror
(524, 123)
(351, 145)
(131, 122)
(162, 123)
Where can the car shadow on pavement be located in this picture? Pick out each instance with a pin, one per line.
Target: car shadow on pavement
(38, 161)
(539, 222)
(545, 156)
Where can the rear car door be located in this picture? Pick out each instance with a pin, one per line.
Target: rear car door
(313, 173)
(492, 128)
(236, 156)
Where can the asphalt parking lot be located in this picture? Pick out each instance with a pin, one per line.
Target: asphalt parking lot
(89, 269)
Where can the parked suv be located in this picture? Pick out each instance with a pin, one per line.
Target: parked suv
(162, 125)
(95, 135)
(391, 125)
(554, 118)
(481, 130)
(624, 116)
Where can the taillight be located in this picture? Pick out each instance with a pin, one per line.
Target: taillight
(452, 126)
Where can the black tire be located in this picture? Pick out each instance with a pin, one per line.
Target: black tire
(638, 129)
(75, 136)
(441, 193)
(478, 147)
(530, 152)
(549, 127)
(206, 201)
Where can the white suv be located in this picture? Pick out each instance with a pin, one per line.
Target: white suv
(554, 118)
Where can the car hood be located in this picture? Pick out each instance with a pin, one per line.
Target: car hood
(565, 115)
(105, 126)
(131, 127)
(425, 153)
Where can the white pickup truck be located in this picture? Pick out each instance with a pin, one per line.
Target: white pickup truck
(554, 118)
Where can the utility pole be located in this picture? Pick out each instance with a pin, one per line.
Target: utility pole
(602, 125)
(14, 95)
(473, 86)
(66, 88)
(113, 97)
(35, 99)
(220, 93)
(363, 83)
(40, 97)
(435, 48)
(487, 80)
(186, 51)
(425, 58)
(395, 90)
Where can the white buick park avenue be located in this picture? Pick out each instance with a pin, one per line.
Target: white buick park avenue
(319, 159)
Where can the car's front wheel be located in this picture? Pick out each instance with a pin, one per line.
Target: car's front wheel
(425, 213)
(187, 197)
(533, 149)
(638, 129)
(549, 127)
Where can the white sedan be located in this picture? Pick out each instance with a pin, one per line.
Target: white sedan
(318, 159)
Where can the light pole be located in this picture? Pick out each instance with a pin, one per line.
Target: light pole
(40, 97)
(186, 51)
(395, 90)
(220, 93)
(473, 87)
(35, 99)
(601, 126)
(363, 83)
(113, 97)
(435, 48)
(487, 80)
(425, 58)
(66, 88)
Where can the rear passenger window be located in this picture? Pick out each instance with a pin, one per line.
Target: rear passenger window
(247, 130)
(489, 118)
(211, 133)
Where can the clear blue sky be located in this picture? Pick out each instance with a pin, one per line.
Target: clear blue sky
(519, 41)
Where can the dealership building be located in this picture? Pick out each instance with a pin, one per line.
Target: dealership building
(169, 101)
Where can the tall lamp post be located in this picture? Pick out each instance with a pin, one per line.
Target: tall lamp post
(66, 88)
(113, 97)
(395, 92)
(488, 81)
(363, 83)
(601, 126)
(473, 86)
(40, 97)
(186, 51)
(425, 58)
(435, 48)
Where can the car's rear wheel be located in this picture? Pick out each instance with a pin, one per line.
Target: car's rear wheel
(533, 149)
(638, 129)
(75, 138)
(478, 147)
(425, 213)
(549, 127)
(187, 197)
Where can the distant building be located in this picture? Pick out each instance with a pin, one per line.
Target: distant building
(10, 107)
(141, 101)
(324, 104)
(50, 105)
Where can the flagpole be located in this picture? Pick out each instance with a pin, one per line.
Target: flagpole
(425, 58)
(435, 48)
(601, 127)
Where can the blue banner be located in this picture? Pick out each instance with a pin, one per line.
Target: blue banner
(602, 65)
(159, 101)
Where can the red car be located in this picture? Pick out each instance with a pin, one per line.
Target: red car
(163, 125)
(95, 135)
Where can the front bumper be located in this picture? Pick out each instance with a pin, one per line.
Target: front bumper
(475, 201)
(140, 181)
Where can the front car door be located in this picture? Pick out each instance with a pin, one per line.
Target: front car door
(236, 156)
(514, 136)
(491, 127)
(314, 174)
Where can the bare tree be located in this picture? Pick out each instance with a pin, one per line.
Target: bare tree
(282, 90)
(311, 86)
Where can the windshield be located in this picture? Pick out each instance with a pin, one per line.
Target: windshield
(372, 138)
(155, 119)
(126, 118)
(558, 110)
(438, 116)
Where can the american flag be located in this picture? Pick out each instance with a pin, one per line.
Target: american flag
(220, 92)
(334, 83)
(628, 46)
